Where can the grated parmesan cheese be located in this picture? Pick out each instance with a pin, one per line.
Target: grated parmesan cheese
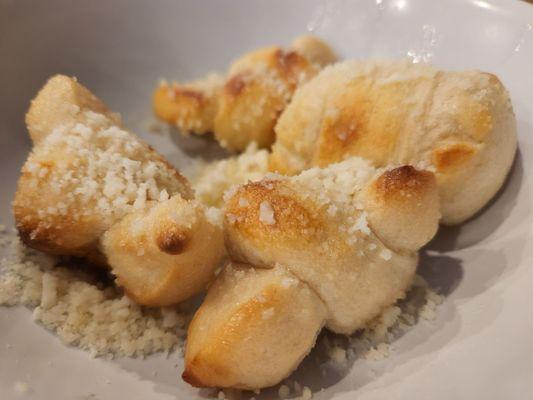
(381, 351)
(284, 391)
(386, 254)
(338, 354)
(307, 394)
(213, 216)
(81, 310)
(213, 182)
(100, 173)
(266, 213)
(336, 189)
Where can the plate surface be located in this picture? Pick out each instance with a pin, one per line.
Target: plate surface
(480, 345)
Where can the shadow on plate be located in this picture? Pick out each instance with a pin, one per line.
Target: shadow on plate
(318, 372)
(203, 146)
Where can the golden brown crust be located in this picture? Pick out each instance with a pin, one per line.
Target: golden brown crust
(51, 240)
(402, 205)
(191, 108)
(405, 181)
(235, 85)
(68, 234)
(172, 240)
(289, 65)
(292, 218)
(210, 363)
(448, 158)
(194, 95)
(315, 50)
(46, 112)
(368, 130)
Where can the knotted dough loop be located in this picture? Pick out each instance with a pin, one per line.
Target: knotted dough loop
(460, 125)
(324, 232)
(86, 176)
(243, 106)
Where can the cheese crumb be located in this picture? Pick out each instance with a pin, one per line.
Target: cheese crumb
(214, 216)
(337, 354)
(229, 193)
(386, 254)
(361, 224)
(307, 394)
(266, 213)
(379, 352)
(49, 291)
(212, 180)
(284, 391)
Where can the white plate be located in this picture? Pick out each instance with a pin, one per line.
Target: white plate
(480, 346)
